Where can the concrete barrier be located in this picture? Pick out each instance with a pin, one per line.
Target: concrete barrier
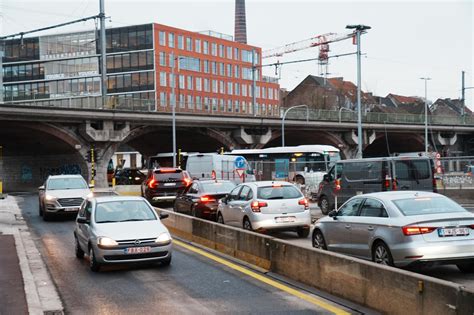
(385, 289)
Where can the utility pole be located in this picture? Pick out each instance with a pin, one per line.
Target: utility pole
(359, 29)
(462, 94)
(103, 54)
(173, 108)
(1, 71)
(426, 114)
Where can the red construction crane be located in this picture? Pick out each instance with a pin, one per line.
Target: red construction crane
(321, 41)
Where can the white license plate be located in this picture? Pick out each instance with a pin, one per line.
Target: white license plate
(137, 250)
(453, 232)
(284, 219)
(71, 209)
(170, 184)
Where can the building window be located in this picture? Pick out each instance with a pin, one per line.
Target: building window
(237, 89)
(206, 66)
(163, 78)
(244, 107)
(244, 89)
(172, 80)
(197, 45)
(189, 44)
(214, 86)
(190, 102)
(125, 38)
(205, 47)
(198, 84)
(163, 99)
(236, 53)
(171, 40)
(221, 69)
(189, 82)
(229, 70)
(198, 102)
(213, 67)
(214, 104)
(270, 93)
(221, 87)
(229, 106)
(229, 88)
(214, 49)
(276, 94)
(180, 42)
(257, 92)
(189, 63)
(181, 101)
(221, 105)
(162, 38)
(229, 52)
(162, 58)
(206, 103)
(206, 85)
(237, 106)
(237, 71)
(246, 56)
(264, 92)
(221, 51)
(181, 81)
(247, 73)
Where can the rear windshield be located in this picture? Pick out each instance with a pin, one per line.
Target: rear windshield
(427, 205)
(217, 187)
(66, 183)
(168, 176)
(279, 192)
(412, 170)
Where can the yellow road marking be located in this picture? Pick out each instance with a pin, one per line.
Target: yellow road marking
(282, 287)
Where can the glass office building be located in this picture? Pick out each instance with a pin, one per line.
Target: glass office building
(149, 67)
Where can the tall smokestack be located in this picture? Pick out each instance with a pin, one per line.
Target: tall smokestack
(240, 32)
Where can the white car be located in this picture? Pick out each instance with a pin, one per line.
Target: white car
(267, 205)
(125, 229)
(62, 194)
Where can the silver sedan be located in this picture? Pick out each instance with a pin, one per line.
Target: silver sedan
(400, 229)
(267, 205)
(121, 230)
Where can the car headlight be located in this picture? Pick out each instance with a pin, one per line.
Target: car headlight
(90, 195)
(164, 238)
(106, 242)
(49, 197)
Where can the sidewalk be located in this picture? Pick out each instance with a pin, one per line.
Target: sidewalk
(25, 284)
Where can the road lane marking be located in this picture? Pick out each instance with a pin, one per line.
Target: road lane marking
(273, 283)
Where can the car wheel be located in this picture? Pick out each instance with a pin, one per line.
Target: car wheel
(166, 261)
(220, 218)
(381, 254)
(318, 240)
(303, 232)
(46, 216)
(78, 249)
(247, 225)
(324, 205)
(93, 264)
(466, 267)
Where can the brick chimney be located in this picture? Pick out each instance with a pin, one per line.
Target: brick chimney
(240, 31)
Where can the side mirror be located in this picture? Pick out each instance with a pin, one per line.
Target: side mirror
(41, 187)
(164, 216)
(333, 214)
(224, 200)
(82, 220)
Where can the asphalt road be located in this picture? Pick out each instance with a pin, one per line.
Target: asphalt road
(193, 284)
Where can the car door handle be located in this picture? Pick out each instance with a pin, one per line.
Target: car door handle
(370, 228)
(348, 226)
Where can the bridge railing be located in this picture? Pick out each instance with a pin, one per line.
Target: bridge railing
(378, 118)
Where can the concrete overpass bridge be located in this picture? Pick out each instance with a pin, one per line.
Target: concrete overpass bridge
(39, 140)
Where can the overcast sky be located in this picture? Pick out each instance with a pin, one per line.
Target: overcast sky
(408, 39)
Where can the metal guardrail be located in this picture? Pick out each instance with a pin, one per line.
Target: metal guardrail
(149, 105)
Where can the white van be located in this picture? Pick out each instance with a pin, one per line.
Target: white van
(217, 166)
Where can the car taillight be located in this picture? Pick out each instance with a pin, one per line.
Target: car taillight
(152, 183)
(304, 202)
(337, 184)
(415, 230)
(394, 184)
(207, 199)
(187, 181)
(256, 205)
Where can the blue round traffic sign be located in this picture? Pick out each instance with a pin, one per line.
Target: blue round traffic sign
(239, 162)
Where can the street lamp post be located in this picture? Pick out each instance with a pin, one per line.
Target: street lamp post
(426, 114)
(283, 121)
(358, 30)
(173, 109)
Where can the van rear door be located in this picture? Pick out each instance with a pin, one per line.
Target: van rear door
(413, 174)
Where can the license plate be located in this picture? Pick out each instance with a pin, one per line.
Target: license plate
(285, 219)
(453, 232)
(71, 209)
(137, 250)
(170, 184)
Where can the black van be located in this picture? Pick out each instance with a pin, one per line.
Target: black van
(348, 178)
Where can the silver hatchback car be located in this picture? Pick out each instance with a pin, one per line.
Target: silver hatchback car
(267, 205)
(115, 229)
(400, 229)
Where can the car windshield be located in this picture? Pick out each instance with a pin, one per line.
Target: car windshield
(66, 183)
(122, 211)
(278, 192)
(217, 187)
(170, 176)
(427, 205)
